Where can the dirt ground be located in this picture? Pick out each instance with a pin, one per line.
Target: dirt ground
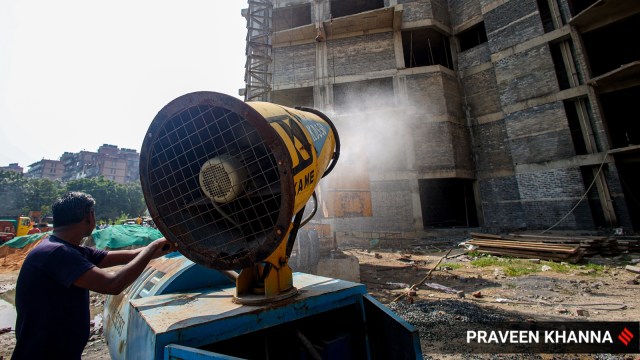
(605, 291)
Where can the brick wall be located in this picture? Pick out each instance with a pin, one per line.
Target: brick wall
(501, 204)
(549, 195)
(481, 93)
(474, 56)
(294, 64)
(492, 152)
(512, 23)
(361, 54)
(539, 134)
(525, 75)
(464, 10)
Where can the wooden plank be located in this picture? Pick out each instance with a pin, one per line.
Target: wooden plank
(545, 256)
(514, 245)
(532, 244)
(633, 269)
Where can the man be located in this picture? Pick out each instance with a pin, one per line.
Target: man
(52, 291)
(33, 230)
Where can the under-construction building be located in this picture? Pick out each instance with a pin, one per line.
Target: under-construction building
(501, 114)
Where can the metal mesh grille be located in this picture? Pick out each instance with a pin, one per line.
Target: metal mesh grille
(227, 235)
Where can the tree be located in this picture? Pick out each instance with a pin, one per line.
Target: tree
(112, 199)
(40, 194)
(19, 195)
(11, 193)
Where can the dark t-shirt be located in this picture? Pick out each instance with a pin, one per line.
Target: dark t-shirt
(53, 314)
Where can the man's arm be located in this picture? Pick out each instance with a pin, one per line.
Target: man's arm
(119, 257)
(122, 257)
(113, 283)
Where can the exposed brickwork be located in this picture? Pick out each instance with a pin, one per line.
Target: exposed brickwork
(463, 11)
(501, 204)
(512, 23)
(294, 64)
(427, 92)
(415, 10)
(526, 75)
(353, 55)
(390, 199)
(481, 92)
(474, 56)
(434, 141)
(492, 152)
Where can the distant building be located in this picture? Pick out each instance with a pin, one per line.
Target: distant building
(12, 167)
(46, 169)
(119, 165)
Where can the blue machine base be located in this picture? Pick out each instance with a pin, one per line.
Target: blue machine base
(328, 318)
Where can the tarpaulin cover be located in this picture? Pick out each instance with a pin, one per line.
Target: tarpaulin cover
(121, 236)
(24, 240)
(113, 237)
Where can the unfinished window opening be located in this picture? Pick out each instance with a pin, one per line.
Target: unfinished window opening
(472, 37)
(577, 6)
(291, 16)
(341, 8)
(629, 174)
(426, 47)
(577, 135)
(545, 15)
(363, 95)
(612, 46)
(293, 97)
(593, 197)
(448, 203)
(561, 70)
(620, 109)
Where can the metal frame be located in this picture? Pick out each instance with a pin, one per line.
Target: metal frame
(259, 51)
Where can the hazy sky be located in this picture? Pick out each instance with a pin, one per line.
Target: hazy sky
(76, 74)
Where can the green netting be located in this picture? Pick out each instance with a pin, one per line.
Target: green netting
(24, 240)
(121, 236)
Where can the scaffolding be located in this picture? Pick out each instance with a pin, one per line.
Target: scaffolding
(259, 51)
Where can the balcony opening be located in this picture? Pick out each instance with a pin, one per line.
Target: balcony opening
(293, 97)
(341, 8)
(620, 108)
(611, 46)
(472, 37)
(561, 70)
(290, 17)
(577, 6)
(448, 203)
(577, 135)
(545, 15)
(426, 47)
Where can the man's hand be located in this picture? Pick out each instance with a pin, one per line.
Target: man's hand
(162, 247)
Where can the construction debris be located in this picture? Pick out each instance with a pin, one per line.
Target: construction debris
(633, 269)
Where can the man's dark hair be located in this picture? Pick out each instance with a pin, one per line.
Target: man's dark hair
(71, 208)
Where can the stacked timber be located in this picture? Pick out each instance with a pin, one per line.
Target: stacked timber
(525, 246)
(628, 243)
(591, 245)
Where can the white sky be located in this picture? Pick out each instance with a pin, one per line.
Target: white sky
(76, 74)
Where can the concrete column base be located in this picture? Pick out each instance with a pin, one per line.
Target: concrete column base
(344, 267)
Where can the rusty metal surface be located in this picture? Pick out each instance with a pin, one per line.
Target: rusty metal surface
(173, 312)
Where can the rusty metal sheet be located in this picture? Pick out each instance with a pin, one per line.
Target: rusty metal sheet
(347, 204)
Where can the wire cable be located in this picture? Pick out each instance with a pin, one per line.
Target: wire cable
(595, 177)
